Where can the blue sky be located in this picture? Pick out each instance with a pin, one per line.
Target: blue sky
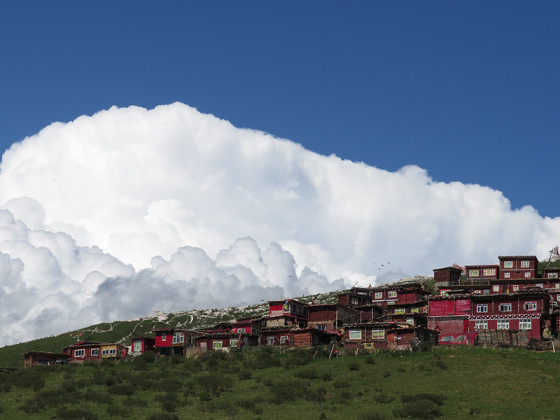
(469, 91)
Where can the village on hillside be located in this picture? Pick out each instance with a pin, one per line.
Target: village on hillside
(511, 303)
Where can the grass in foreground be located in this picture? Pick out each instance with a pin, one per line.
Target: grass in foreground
(447, 383)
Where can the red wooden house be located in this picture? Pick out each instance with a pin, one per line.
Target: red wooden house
(446, 276)
(290, 308)
(87, 350)
(368, 313)
(449, 315)
(224, 341)
(524, 311)
(475, 274)
(331, 317)
(354, 299)
(386, 335)
(398, 294)
(140, 345)
(170, 341)
(250, 325)
(309, 337)
(518, 267)
(278, 336)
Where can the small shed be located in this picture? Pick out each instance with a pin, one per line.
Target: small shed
(35, 358)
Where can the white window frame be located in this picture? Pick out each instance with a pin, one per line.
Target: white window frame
(530, 306)
(505, 307)
(508, 264)
(474, 273)
(507, 275)
(540, 285)
(527, 274)
(392, 294)
(79, 353)
(552, 275)
(489, 272)
(137, 346)
(525, 324)
(178, 337)
(94, 352)
(163, 336)
(515, 287)
(233, 342)
(503, 324)
(105, 352)
(217, 344)
(400, 311)
(378, 295)
(378, 334)
(284, 339)
(481, 324)
(525, 264)
(355, 334)
(496, 288)
(482, 308)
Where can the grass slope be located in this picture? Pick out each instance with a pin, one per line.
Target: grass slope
(458, 383)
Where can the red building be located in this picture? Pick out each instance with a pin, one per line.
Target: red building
(518, 267)
(449, 315)
(369, 313)
(140, 345)
(481, 273)
(330, 317)
(291, 308)
(251, 325)
(354, 299)
(407, 295)
(386, 335)
(170, 341)
(446, 276)
(224, 341)
(87, 350)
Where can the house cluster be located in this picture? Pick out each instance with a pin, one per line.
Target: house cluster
(507, 303)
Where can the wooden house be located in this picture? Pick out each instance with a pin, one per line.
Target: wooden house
(518, 267)
(449, 315)
(170, 341)
(398, 294)
(224, 341)
(446, 276)
(291, 308)
(331, 317)
(140, 345)
(475, 274)
(369, 313)
(386, 335)
(354, 299)
(524, 311)
(250, 325)
(276, 336)
(309, 337)
(36, 358)
(87, 350)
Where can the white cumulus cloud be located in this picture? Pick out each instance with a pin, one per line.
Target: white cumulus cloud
(130, 210)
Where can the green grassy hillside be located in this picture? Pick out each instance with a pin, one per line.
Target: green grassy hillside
(453, 383)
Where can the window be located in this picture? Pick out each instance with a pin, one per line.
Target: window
(233, 342)
(414, 310)
(527, 274)
(508, 264)
(530, 306)
(217, 344)
(552, 275)
(95, 352)
(481, 308)
(392, 294)
(105, 352)
(270, 340)
(79, 353)
(137, 347)
(505, 307)
(481, 325)
(524, 324)
(477, 292)
(240, 330)
(473, 273)
(354, 301)
(524, 264)
(557, 285)
(496, 288)
(399, 311)
(178, 337)
(539, 285)
(163, 337)
(355, 334)
(503, 325)
(507, 275)
(284, 340)
(515, 287)
(378, 295)
(378, 334)
(321, 327)
(489, 271)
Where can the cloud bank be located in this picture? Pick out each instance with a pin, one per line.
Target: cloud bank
(130, 210)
